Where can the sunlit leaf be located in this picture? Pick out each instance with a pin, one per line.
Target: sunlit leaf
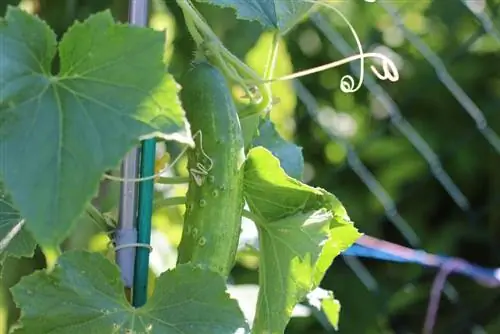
(324, 301)
(301, 230)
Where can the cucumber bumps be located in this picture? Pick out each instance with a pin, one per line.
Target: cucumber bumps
(214, 206)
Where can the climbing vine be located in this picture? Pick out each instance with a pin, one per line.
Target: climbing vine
(61, 132)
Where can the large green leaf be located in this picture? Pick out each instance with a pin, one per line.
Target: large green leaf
(301, 230)
(60, 133)
(14, 239)
(84, 294)
(272, 14)
(289, 154)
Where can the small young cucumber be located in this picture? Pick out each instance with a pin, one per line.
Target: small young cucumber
(212, 221)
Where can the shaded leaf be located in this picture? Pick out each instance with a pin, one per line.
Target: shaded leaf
(84, 294)
(250, 127)
(60, 133)
(14, 239)
(272, 14)
(301, 230)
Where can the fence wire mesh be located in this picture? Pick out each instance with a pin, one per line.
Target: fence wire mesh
(480, 12)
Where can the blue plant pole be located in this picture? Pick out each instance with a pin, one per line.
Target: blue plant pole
(140, 291)
(138, 15)
(134, 218)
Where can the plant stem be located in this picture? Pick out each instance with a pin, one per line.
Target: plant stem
(231, 73)
(171, 201)
(97, 217)
(216, 46)
(51, 255)
(273, 56)
(254, 78)
(173, 180)
(193, 30)
(11, 235)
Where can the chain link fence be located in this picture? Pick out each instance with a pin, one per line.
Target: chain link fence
(480, 13)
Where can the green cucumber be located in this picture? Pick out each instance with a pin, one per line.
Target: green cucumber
(214, 203)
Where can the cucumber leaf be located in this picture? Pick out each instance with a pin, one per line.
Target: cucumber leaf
(289, 154)
(85, 292)
(60, 133)
(301, 230)
(15, 241)
(323, 300)
(331, 308)
(279, 15)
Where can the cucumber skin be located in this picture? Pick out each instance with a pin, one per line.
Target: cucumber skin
(212, 222)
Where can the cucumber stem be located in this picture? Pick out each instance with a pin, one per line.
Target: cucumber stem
(96, 216)
(191, 27)
(218, 48)
(265, 104)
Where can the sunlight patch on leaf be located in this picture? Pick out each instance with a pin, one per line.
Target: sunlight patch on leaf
(323, 300)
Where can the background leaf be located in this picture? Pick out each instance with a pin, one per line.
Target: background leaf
(60, 133)
(85, 292)
(21, 244)
(272, 14)
(301, 230)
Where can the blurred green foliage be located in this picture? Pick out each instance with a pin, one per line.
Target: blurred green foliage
(399, 301)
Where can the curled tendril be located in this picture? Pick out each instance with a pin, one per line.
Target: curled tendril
(201, 171)
(347, 82)
(389, 72)
(198, 173)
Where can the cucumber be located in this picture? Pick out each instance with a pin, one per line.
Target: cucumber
(214, 203)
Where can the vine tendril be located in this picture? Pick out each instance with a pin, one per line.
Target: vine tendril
(200, 169)
(347, 82)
